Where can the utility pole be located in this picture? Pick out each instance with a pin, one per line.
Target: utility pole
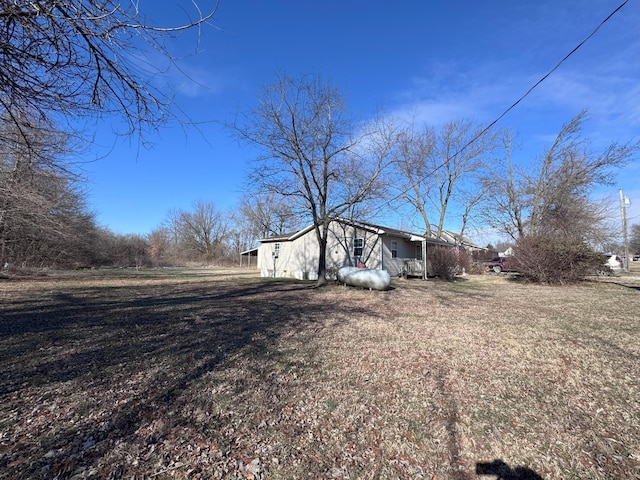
(624, 201)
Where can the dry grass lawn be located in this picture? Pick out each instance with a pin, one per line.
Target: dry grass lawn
(213, 374)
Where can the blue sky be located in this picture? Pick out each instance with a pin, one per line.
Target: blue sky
(433, 60)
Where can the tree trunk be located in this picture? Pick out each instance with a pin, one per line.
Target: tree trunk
(322, 257)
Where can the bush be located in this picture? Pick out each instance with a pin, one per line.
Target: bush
(447, 262)
(554, 261)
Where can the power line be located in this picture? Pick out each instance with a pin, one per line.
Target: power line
(514, 104)
(488, 127)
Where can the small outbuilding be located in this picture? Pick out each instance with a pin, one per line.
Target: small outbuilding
(249, 258)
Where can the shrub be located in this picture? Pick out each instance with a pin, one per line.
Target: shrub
(447, 262)
(554, 261)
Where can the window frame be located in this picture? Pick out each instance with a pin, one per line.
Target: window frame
(358, 241)
(394, 249)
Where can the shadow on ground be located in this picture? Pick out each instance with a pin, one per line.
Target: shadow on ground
(501, 471)
(132, 352)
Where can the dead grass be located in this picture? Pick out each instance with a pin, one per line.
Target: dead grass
(211, 374)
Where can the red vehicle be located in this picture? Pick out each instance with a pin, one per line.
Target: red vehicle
(500, 264)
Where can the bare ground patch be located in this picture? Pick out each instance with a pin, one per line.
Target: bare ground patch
(199, 375)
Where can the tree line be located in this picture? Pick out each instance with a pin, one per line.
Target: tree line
(45, 222)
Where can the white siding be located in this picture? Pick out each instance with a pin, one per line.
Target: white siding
(298, 256)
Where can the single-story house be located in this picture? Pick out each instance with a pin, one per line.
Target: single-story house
(349, 243)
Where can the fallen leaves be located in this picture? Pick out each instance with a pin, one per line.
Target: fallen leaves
(222, 378)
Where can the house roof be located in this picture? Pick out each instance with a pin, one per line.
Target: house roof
(378, 229)
(412, 237)
(287, 237)
(454, 238)
(447, 238)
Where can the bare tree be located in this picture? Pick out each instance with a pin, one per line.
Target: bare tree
(43, 216)
(504, 208)
(130, 250)
(634, 238)
(257, 217)
(552, 195)
(312, 155)
(546, 206)
(267, 214)
(161, 247)
(61, 58)
(203, 233)
(65, 60)
(440, 169)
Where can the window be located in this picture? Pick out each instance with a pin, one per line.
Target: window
(418, 252)
(358, 247)
(394, 249)
(276, 250)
